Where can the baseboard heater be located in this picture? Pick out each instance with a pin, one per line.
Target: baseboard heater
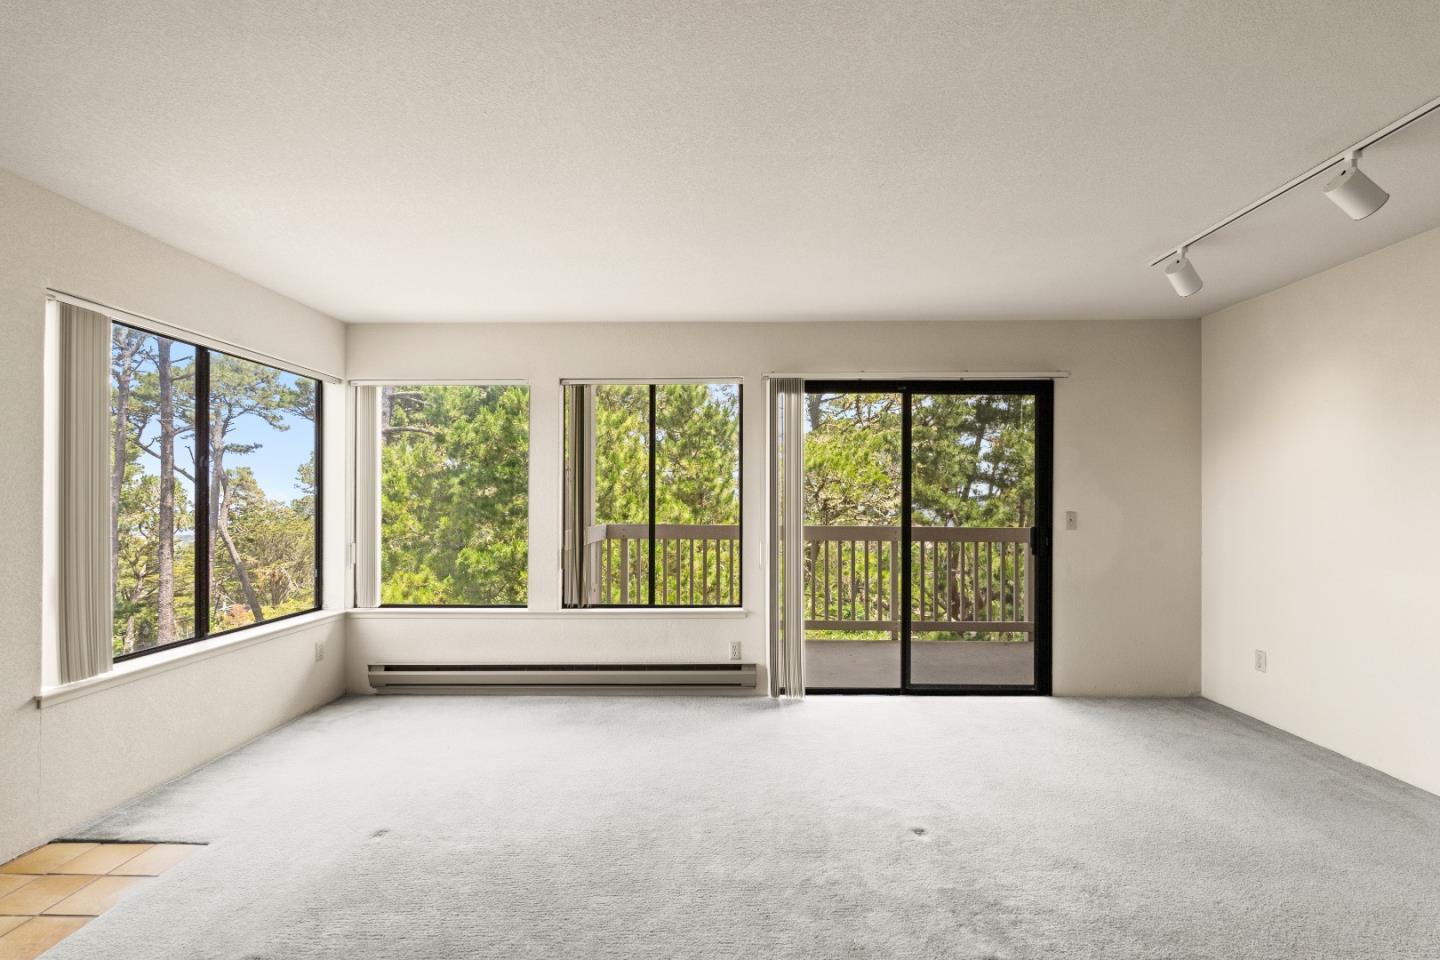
(627, 677)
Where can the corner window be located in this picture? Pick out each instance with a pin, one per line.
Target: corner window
(214, 492)
(652, 495)
(454, 475)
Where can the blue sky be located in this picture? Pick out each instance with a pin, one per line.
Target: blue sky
(280, 455)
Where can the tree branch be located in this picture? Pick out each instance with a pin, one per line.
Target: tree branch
(155, 453)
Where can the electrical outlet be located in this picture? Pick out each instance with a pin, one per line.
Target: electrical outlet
(319, 650)
(1261, 662)
(734, 649)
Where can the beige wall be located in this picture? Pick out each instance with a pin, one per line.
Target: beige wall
(1126, 459)
(1321, 449)
(65, 764)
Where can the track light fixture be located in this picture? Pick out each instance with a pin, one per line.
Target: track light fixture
(1182, 274)
(1350, 190)
(1353, 192)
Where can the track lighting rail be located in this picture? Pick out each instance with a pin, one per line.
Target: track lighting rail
(1349, 153)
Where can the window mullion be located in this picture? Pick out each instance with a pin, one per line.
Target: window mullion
(200, 556)
(650, 568)
(318, 481)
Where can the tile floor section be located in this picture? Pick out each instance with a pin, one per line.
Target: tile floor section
(54, 890)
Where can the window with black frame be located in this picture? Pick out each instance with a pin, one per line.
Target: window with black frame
(652, 495)
(215, 474)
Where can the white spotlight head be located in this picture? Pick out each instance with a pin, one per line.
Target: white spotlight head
(1355, 193)
(1181, 274)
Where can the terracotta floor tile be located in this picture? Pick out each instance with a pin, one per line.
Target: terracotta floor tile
(45, 859)
(42, 892)
(10, 883)
(35, 936)
(104, 858)
(10, 923)
(95, 898)
(154, 861)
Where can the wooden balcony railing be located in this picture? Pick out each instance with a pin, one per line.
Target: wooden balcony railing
(963, 579)
(695, 564)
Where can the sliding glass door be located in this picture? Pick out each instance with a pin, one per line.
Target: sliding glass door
(927, 518)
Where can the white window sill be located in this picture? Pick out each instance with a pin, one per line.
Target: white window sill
(164, 660)
(517, 613)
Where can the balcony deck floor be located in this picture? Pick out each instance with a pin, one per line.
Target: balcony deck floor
(875, 664)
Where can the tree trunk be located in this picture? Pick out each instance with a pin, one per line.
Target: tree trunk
(117, 470)
(137, 593)
(124, 375)
(222, 527)
(218, 429)
(165, 625)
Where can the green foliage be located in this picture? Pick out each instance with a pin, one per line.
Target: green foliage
(697, 453)
(852, 459)
(454, 504)
(455, 477)
(974, 459)
(276, 541)
(622, 465)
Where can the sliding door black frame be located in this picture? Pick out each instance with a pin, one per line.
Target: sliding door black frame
(1040, 535)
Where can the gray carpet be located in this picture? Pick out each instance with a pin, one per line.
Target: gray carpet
(543, 827)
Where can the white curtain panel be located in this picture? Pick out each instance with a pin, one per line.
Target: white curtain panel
(86, 593)
(367, 496)
(785, 401)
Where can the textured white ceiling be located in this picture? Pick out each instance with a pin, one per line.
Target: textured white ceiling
(535, 159)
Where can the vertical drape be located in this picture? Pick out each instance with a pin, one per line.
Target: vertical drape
(578, 500)
(366, 544)
(785, 398)
(86, 593)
